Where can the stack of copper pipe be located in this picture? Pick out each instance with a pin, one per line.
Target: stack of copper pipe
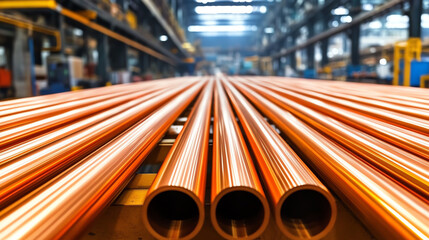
(65, 157)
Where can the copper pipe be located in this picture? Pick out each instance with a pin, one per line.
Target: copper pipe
(410, 170)
(25, 147)
(84, 190)
(67, 97)
(9, 121)
(364, 90)
(401, 137)
(388, 210)
(239, 209)
(408, 105)
(399, 119)
(30, 103)
(174, 205)
(303, 207)
(29, 171)
(23, 132)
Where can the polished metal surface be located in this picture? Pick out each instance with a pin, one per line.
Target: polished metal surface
(239, 209)
(408, 169)
(65, 157)
(63, 207)
(41, 124)
(400, 136)
(25, 173)
(174, 204)
(387, 209)
(303, 207)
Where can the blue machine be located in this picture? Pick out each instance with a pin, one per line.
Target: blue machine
(310, 73)
(417, 70)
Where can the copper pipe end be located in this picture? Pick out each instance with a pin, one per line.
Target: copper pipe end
(306, 212)
(173, 213)
(239, 213)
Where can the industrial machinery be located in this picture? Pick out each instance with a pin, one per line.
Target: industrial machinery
(408, 66)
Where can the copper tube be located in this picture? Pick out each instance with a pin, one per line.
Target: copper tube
(31, 103)
(388, 210)
(174, 205)
(401, 137)
(55, 100)
(399, 119)
(9, 121)
(239, 209)
(25, 147)
(63, 207)
(303, 207)
(408, 169)
(23, 132)
(363, 90)
(29, 171)
(408, 105)
(13, 120)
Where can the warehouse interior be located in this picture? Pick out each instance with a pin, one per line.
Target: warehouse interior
(214, 119)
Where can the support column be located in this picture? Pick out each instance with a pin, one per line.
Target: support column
(325, 42)
(355, 45)
(117, 55)
(21, 65)
(103, 59)
(310, 49)
(292, 56)
(415, 15)
(355, 35)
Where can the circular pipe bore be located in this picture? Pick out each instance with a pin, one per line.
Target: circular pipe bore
(173, 214)
(240, 214)
(306, 213)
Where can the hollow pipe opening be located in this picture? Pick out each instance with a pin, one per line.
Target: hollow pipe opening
(240, 214)
(173, 214)
(306, 214)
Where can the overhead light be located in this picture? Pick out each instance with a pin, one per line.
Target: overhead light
(222, 28)
(367, 7)
(242, 1)
(340, 11)
(269, 30)
(204, 1)
(425, 20)
(163, 38)
(383, 61)
(397, 18)
(77, 32)
(375, 25)
(210, 22)
(346, 19)
(396, 25)
(335, 24)
(237, 22)
(235, 9)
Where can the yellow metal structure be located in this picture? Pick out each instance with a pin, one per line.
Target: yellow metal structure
(83, 19)
(408, 51)
(423, 80)
(131, 19)
(32, 27)
(15, 4)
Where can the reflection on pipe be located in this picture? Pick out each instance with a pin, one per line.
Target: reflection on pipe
(239, 209)
(85, 189)
(388, 210)
(303, 207)
(408, 169)
(174, 205)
